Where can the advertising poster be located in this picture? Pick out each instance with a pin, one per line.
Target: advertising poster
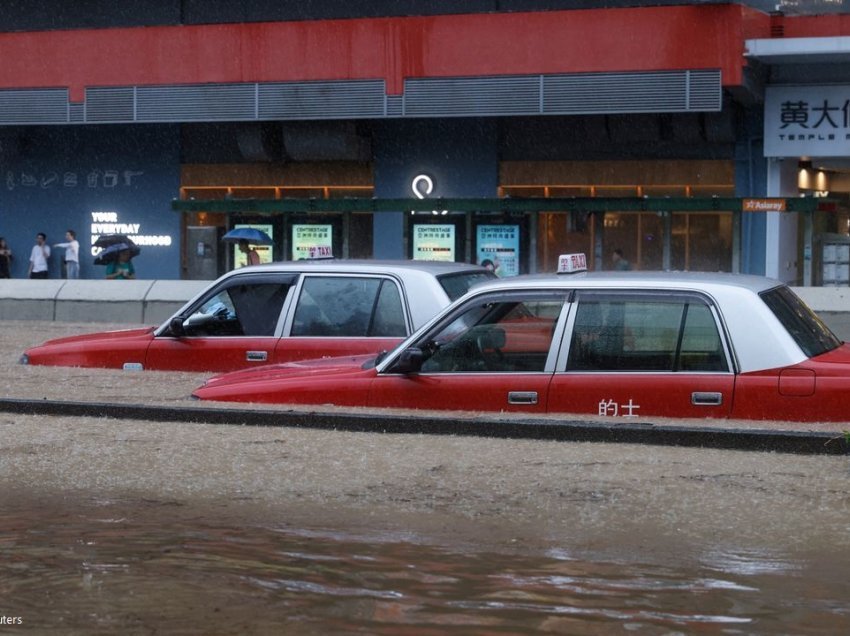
(499, 244)
(240, 259)
(312, 241)
(434, 242)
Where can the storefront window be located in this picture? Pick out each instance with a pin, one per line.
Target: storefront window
(348, 234)
(563, 233)
(702, 242)
(698, 241)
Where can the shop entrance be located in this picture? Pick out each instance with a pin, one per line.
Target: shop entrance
(669, 230)
(303, 232)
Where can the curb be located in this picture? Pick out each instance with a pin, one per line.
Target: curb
(784, 441)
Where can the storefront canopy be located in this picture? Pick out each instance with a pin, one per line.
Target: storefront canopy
(532, 204)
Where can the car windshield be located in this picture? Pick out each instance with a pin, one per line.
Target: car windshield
(808, 331)
(456, 285)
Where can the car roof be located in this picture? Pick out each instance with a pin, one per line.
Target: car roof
(703, 281)
(436, 268)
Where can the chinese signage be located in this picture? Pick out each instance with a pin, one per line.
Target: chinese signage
(807, 120)
(499, 244)
(569, 263)
(240, 258)
(312, 241)
(611, 408)
(434, 242)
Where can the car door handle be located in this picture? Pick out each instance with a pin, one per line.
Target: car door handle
(256, 356)
(706, 398)
(522, 397)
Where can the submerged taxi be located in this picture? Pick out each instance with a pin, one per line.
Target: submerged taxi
(614, 344)
(279, 312)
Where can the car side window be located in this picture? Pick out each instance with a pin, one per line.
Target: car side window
(244, 309)
(652, 334)
(508, 336)
(349, 306)
(388, 320)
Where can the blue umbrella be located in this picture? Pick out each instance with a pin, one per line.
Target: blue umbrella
(109, 254)
(250, 234)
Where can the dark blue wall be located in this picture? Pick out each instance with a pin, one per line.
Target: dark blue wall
(53, 178)
(460, 156)
(751, 181)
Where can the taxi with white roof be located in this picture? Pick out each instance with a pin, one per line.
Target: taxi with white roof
(614, 344)
(279, 312)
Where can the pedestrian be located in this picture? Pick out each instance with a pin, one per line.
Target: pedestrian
(620, 263)
(72, 254)
(251, 254)
(5, 259)
(39, 256)
(121, 268)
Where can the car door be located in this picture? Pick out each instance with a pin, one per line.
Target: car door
(493, 354)
(343, 314)
(235, 326)
(643, 354)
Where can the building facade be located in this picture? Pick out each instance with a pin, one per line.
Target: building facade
(108, 116)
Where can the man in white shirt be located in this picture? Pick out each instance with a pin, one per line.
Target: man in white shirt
(72, 254)
(38, 257)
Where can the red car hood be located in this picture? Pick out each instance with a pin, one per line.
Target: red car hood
(111, 336)
(336, 366)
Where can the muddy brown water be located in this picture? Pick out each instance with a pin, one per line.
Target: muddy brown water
(120, 526)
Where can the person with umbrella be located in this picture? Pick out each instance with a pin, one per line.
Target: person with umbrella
(251, 255)
(121, 268)
(245, 238)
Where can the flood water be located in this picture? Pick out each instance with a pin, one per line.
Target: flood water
(501, 537)
(86, 572)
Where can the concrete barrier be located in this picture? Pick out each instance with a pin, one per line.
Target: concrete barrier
(131, 301)
(151, 302)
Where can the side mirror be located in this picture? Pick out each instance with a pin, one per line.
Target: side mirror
(176, 327)
(410, 361)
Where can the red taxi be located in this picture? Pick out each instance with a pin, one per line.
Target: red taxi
(277, 313)
(615, 344)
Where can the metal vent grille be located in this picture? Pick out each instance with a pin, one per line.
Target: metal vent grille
(208, 102)
(104, 105)
(471, 96)
(76, 113)
(705, 90)
(627, 93)
(575, 94)
(395, 106)
(321, 100)
(35, 106)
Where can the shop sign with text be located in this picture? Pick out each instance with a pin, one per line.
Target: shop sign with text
(763, 205)
(434, 242)
(311, 242)
(807, 120)
(500, 245)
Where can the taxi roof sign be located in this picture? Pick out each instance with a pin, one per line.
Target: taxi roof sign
(572, 263)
